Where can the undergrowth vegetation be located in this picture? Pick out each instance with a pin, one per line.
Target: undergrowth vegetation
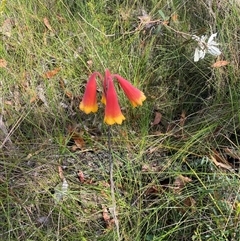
(176, 158)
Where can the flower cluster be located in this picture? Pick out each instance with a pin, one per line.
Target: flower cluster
(113, 112)
(205, 47)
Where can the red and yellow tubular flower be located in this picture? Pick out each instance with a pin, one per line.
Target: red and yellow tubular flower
(113, 112)
(89, 101)
(135, 96)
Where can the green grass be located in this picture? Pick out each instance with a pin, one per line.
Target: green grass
(148, 159)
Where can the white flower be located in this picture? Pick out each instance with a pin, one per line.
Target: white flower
(205, 47)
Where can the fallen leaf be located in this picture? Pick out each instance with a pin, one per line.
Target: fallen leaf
(174, 17)
(60, 172)
(165, 22)
(76, 137)
(105, 214)
(150, 168)
(8, 102)
(79, 142)
(180, 183)
(232, 153)
(67, 92)
(81, 176)
(157, 119)
(220, 63)
(224, 165)
(50, 74)
(3, 63)
(182, 118)
(107, 218)
(153, 190)
(188, 203)
(47, 24)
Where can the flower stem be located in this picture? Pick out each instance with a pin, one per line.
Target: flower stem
(112, 186)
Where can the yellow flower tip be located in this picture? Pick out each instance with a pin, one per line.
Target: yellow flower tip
(89, 100)
(103, 100)
(114, 120)
(139, 101)
(88, 108)
(135, 96)
(113, 112)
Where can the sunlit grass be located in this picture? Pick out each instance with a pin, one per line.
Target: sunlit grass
(200, 119)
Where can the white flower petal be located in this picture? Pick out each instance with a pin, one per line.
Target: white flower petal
(202, 54)
(212, 37)
(205, 47)
(213, 43)
(203, 38)
(196, 55)
(199, 54)
(214, 51)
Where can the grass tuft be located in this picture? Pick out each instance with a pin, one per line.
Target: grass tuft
(176, 158)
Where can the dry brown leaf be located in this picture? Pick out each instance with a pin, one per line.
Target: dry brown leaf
(67, 92)
(153, 190)
(8, 102)
(219, 157)
(174, 17)
(81, 177)
(165, 22)
(79, 142)
(157, 118)
(107, 218)
(221, 164)
(180, 182)
(220, 63)
(47, 24)
(188, 202)
(76, 137)
(182, 118)
(232, 153)
(50, 74)
(150, 168)
(3, 63)
(60, 172)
